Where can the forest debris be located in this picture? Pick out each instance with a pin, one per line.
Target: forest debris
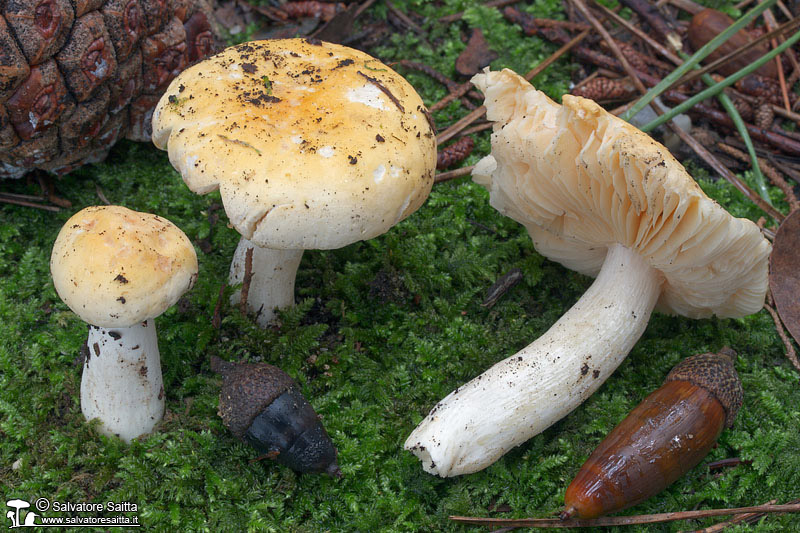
(768, 170)
(216, 318)
(455, 17)
(708, 24)
(340, 27)
(8, 198)
(625, 520)
(663, 26)
(501, 286)
(246, 280)
(465, 121)
(475, 56)
(791, 354)
(747, 518)
(406, 20)
(302, 9)
(771, 24)
(764, 116)
(784, 279)
(454, 94)
(602, 89)
(454, 153)
(764, 88)
(728, 463)
(453, 174)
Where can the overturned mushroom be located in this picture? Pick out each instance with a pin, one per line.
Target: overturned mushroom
(312, 146)
(598, 196)
(119, 269)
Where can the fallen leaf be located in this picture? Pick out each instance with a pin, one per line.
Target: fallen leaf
(784, 274)
(475, 56)
(339, 27)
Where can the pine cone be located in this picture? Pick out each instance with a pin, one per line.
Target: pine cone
(764, 116)
(76, 76)
(768, 89)
(602, 89)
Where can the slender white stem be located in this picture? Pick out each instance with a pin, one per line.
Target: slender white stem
(121, 383)
(523, 395)
(272, 282)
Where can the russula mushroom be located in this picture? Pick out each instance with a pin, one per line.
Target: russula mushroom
(312, 145)
(118, 269)
(602, 198)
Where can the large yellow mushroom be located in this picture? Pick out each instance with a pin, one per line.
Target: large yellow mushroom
(312, 145)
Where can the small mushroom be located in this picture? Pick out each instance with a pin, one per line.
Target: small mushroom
(119, 269)
(598, 196)
(312, 145)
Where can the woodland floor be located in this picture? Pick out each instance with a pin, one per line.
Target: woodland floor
(382, 331)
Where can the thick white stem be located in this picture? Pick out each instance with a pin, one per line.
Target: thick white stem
(523, 395)
(272, 282)
(121, 383)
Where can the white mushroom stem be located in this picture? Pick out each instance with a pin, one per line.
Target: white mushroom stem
(523, 395)
(121, 383)
(272, 282)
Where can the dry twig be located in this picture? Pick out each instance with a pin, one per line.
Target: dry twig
(246, 279)
(453, 174)
(661, 49)
(748, 518)
(787, 343)
(216, 319)
(768, 170)
(624, 520)
(771, 23)
(7, 198)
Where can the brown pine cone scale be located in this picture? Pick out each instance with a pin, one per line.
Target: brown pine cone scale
(78, 75)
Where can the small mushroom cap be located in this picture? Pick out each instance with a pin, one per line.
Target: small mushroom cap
(312, 145)
(580, 180)
(115, 267)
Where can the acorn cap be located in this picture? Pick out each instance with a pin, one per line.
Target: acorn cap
(312, 145)
(582, 180)
(115, 267)
(715, 373)
(247, 390)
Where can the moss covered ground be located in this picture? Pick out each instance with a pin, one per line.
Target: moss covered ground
(382, 331)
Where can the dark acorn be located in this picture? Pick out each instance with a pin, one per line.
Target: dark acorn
(264, 407)
(664, 437)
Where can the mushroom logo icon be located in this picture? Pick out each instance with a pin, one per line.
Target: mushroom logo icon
(17, 505)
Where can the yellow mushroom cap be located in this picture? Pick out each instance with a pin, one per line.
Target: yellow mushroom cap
(580, 179)
(312, 145)
(115, 267)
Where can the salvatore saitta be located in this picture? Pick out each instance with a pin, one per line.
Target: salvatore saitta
(87, 507)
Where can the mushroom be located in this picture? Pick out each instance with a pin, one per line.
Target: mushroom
(312, 145)
(17, 505)
(602, 198)
(118, 269)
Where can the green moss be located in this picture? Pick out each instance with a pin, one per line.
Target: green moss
(383, 330)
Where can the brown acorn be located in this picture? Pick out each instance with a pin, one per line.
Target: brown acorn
(664, 437)
(262, 405)
(76, 76)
